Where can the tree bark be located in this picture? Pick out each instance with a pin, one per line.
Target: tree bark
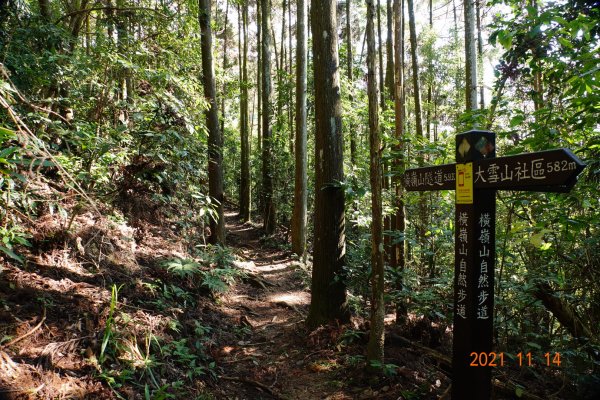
(480, 53)
(470, 57)
(389, 95)
(349, 74)
(418, 116)
(245, 139)
(225, 66)
(380, 53)
(300, 192)
(259, 78)
(563, 311)
(328, 289)
(415, 68)
(397, 260)
(377, 332)
(269, 216)
(215, 140)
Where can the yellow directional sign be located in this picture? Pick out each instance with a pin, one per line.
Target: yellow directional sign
(464, 183)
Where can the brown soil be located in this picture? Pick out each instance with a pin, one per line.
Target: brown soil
(279, 358)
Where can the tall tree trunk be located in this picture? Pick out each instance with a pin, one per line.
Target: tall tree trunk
(418, 116)
(328, 290)
(380, 53)
(470, 57)
(291, 105)
(430, 83)
(415, 75)
(269, 216)
(259, 81)
(283, 29)
(215, 140)
(431, 73)
(389, 94)
(300, 192)
(245, 139)
(389, 69)
(225, 66)
(349, 74)
(377, 333)
(398, 260)
(480, 54)
(123, 74)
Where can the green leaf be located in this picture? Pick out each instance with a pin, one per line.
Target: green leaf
(519, 391)
(7, 134)
(505, 38)
(566, 43)
(11, 254)
(516, 120)
(534, 345)
(537, 239)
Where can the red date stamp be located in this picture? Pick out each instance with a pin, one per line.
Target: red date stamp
(493, 359)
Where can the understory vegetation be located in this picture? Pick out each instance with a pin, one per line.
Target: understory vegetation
(109, 282)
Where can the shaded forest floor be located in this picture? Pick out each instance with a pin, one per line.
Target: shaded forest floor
(96, 313)
(280, 358)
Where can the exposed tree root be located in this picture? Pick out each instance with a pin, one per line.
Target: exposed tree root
(23, 336)
(259, 385)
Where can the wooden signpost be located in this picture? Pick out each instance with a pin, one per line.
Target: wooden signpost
(476, 176)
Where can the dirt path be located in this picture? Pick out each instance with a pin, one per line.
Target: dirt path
(275, 357)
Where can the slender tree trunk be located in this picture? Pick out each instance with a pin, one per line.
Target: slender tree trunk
(274, 39)
(349, 74)
(300, 192)
(430, 83)
(480, 54)
(389, 69)
(457, 80)
(283, 96)
(283, 29)
(269, 216)
(470, 57)
(415, 68)
(259, 78)
(389, 94)
(291, 105)
(225, 66)
(380, 53)
(215, 140)
(431, 73)
(377, 333)
(328, 290)
(418, 116)
(398, 260)
(245, 140)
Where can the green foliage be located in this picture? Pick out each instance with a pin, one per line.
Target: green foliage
(11, 237)
(386, 369)
(215, 272)
(108, 328)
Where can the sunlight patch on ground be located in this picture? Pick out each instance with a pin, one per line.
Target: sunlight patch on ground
(294, 298)
(389, 318)
(273, 266)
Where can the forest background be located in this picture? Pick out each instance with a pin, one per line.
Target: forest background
(108, 109)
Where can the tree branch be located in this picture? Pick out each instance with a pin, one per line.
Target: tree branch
(88, 10)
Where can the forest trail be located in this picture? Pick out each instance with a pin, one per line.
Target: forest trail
(277, 357)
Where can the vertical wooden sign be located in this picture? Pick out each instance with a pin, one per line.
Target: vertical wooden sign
(473, 268)
(476, 176)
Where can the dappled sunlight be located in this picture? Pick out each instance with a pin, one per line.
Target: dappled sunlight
(292, 298)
